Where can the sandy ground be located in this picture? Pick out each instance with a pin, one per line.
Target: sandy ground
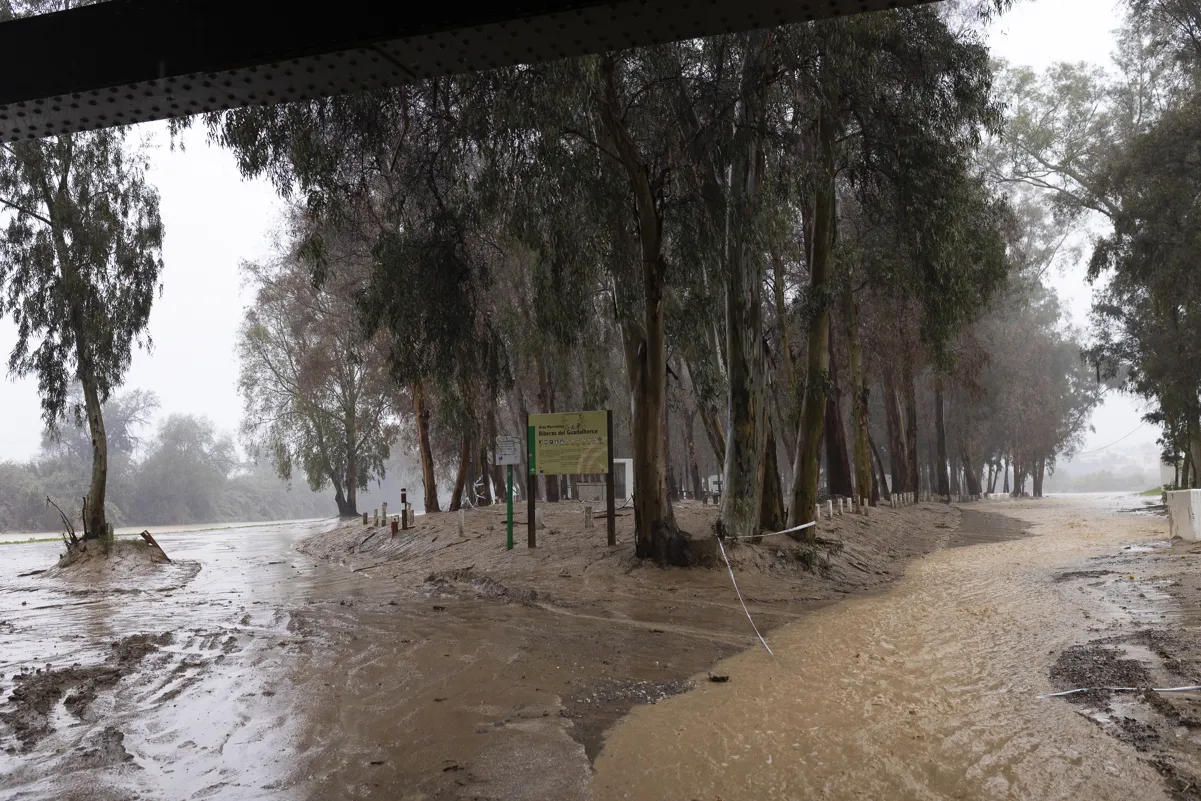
(313, 663)
(520, 660)
(930, 691)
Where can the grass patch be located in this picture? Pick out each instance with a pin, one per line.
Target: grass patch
(1154, 492)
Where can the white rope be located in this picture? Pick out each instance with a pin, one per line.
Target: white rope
(1185, 689)
(774, 533)
(739, 592)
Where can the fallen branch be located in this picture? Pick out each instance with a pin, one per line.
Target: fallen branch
(146, 536)
(68, 528)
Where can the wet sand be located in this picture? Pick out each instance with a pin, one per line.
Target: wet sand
(927, 692)
(440, 666)
(430, 666)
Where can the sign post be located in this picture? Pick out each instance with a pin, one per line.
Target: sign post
(509, 499)
(508, 453)
(531, 485)
(610, 500)
(570, 443)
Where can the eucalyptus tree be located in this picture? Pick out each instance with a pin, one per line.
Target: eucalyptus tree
(902, 100)
(395, 169)
(80, 260)
(316, 395)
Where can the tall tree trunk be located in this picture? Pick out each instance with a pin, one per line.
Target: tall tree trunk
(95, 520)
(944, 487)
(344, 509)
(497, 471)
(910, 386)
(673, 485)
(1194, 449)
(428, 479)
(882, 483)
(546, 401)
(352, 466)
(1039, 465)
(839, 477)
(859, 403)
(806, 471)
(654, 524)
(456, 498)
(694, 468)
(1005, 474)
(970, 477)
(771, 510)
(789, 413)
(898, 456)
(742, 498)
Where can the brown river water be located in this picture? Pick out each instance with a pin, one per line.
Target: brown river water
(290, 677)
(927, 691)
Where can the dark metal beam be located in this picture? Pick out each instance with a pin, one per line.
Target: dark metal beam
(126, 61)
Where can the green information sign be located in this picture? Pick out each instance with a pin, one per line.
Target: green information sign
(571, 443)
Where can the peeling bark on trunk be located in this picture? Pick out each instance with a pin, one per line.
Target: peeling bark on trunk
(95, 521)
(655, 527)
(694, 468)
(746, 439)
(807, 470)
(428, 479)
(898, 457)
(839, 478)
(859, 404)
(771, 511)
(788, 416)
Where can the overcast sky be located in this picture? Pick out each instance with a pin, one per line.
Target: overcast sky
(214, 220)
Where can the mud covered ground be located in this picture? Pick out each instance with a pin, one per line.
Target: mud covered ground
(1142, 629)
(910, 651)
(431, 666)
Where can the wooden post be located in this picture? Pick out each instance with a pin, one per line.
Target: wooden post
(610, 501)
(531, 482)
(587, 517)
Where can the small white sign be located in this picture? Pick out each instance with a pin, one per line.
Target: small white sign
(508, 450)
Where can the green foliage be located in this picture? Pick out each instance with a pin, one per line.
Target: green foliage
(79, 260)
(316, 394)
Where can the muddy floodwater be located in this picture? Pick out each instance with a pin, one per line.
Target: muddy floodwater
(910, 648)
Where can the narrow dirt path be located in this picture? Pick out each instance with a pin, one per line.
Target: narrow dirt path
(927, 691)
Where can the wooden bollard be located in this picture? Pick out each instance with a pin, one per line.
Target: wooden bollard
(830, 509)
(383, 512)
(462, 520)
(364, 518)
(375, 517)
(395, 526)
(587, 517)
